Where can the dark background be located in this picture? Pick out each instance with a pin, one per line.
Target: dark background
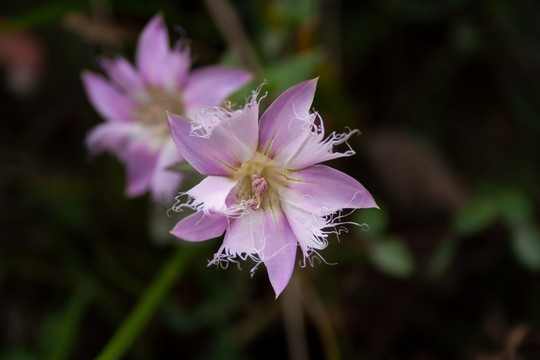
(446, 95)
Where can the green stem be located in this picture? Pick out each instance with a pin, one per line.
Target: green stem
(146, 307)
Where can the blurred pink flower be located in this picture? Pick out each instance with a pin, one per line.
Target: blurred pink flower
(264, 185)
(135, 100)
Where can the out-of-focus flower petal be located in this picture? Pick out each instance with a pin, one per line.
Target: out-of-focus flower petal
(107, 100)
(141, 162)
(218, 141)
(279, 250)
(286, 121)
(324, 190)
(165, 182)
(152, 50)
(123, 73)
(110, 136)
(200, 227)
(210, 86)
(210, 194)
(175, 69)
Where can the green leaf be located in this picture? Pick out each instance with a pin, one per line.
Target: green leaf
(526, 246)
(478, 215)
(373, 220)
(42, 15)
(17, 354)
(60, 331)
(392, 257)
(296, 12)
(441, 258)
(516, 208)
(291, 71)
(182, 167)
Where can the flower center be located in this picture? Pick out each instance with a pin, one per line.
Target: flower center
(260, 180)
(152, 108)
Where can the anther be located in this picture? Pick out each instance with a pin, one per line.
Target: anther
(258, 185)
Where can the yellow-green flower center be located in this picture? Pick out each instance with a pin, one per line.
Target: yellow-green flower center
(259, 181)
(152, 108)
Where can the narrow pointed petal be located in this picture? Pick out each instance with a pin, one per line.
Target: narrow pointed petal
(216, 143)
(286, 119)
(106, 99)
(141, 162)
(199, 227)
(314, 149)
(279, 251)
(210, 194)
(210, 86)
(152, 50)
(175, 69)
(268, 237)
(307, 227)
(324, 190)
(122, 73)
(165, 182)
(244, 236)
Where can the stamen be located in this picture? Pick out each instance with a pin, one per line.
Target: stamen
(258, 185)
(258, 188)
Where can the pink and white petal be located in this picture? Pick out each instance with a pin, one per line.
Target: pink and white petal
(218, 141)
(210, 86)
(324, 190)
(110, 136)
(200, 226)
(244, 236)
(279, 250)
(110, 103)
(152, 50)
(315, 149)
(210, 194)
(123, 73)
(175, 69)
(206, 156)
(140, 159)
(165, 181)
(286, 120)
(307, 227)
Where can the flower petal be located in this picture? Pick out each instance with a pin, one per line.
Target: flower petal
(279, 251)
(166, 182)
(152, 50)
(175, 68)
(200, 227)
(307, 227)
(140, 160)
(210, 194)
(110, 136)
(106, 99)
(267, 236)
(314, 148)
(290, 108)
(210, 86)
(219, 140)
(324, 190)
(244, 236)
(123, 73)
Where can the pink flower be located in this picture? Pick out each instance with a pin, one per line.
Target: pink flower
(134, 103)
(264, 185)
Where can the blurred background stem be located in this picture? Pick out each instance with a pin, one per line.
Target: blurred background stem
(146, 307)
(230, 27)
